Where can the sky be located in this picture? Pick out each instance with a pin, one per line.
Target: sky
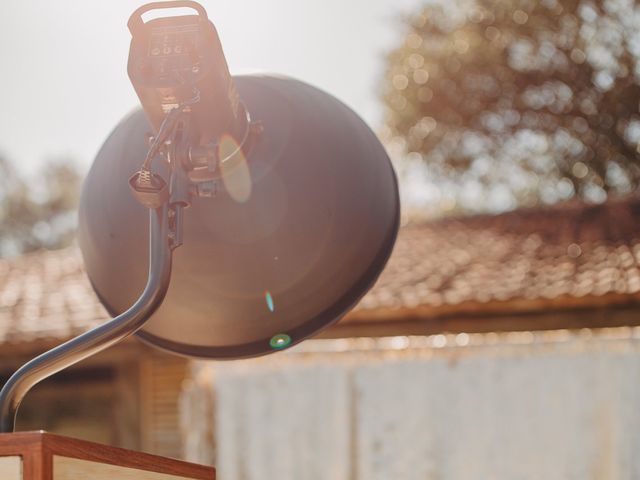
(64, 78)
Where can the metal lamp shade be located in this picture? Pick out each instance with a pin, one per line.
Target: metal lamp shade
(293, 236)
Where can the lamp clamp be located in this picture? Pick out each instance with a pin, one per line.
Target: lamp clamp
(149, 189)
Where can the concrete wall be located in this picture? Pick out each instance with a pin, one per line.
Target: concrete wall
(546, 406)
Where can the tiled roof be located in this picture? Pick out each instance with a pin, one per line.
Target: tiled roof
(524, 260)
(46, 295)
(568, 256)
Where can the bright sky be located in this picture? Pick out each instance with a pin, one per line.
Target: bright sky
(64, 84)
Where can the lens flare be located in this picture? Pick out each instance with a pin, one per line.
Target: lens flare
(236, 175)
(269, 299)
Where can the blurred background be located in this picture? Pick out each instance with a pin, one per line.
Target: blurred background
(501, 340)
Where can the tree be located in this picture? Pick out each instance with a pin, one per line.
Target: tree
(37, 211)
(514, 102)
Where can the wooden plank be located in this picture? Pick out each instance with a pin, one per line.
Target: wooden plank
(69, 447)
(422, 323)
(513, 307)
(37, 450)
(29, 447)
(11, 468)
(65, 468)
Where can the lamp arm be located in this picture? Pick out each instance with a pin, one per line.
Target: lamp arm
(102, 337)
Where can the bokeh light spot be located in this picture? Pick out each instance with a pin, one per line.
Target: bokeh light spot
(281, 340)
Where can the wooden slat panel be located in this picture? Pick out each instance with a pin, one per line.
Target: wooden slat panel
(162, 377)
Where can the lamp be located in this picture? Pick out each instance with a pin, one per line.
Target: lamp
(284, 201)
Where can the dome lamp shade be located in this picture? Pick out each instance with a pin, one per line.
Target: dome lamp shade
(297, 231)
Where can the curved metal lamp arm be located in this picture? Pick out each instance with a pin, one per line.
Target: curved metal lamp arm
(101, 337)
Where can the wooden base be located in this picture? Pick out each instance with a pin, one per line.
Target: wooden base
(43, 456)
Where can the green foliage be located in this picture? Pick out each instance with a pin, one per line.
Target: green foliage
(513, 102)
(37, 211)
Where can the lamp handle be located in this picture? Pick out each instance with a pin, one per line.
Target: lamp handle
(135, 20)
(101, 337)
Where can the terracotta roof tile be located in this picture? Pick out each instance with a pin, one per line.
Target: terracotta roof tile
(567, 252)
(511, 261)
